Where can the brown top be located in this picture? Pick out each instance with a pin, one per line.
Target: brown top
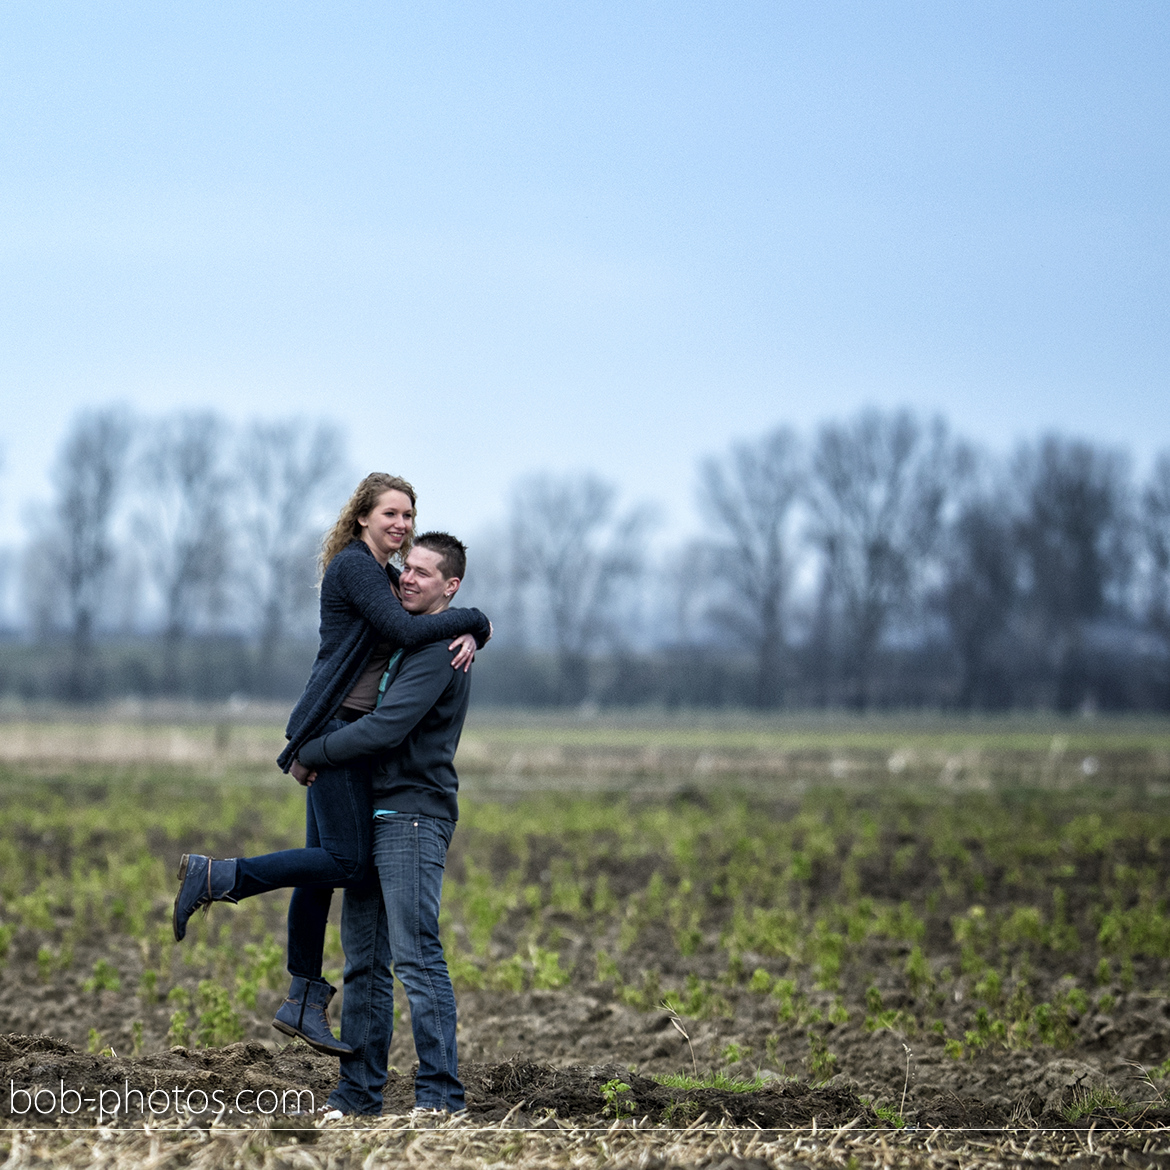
(364, 696)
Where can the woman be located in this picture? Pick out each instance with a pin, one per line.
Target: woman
(362, 625)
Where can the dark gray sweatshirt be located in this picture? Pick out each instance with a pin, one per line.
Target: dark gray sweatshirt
(418, 723)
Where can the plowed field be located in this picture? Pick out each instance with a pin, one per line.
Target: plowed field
(900, 941)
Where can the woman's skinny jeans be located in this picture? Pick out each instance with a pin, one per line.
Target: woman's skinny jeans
(338, 819)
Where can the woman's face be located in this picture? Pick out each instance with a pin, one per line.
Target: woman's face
(387, 524)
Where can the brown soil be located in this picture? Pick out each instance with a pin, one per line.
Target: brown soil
(994, 1087)
(1011, 1090)
(584, 1036)
(250, 1076)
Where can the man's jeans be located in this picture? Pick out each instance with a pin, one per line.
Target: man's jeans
(336, 853)
(395, 920)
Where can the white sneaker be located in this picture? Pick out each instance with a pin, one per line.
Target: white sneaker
(332, 1115)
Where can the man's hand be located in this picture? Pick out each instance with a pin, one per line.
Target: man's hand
(301, 774)
(466, 644)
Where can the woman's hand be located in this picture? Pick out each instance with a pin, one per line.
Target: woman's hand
(301, 774)
(466, 644)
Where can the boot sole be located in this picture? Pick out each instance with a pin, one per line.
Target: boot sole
(289, 1030)
(183, 861)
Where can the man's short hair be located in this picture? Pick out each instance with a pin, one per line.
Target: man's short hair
(452, 552)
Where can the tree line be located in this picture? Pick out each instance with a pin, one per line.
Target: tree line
(176, 557)
(879, 562)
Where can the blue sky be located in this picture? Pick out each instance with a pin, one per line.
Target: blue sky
(491, 238)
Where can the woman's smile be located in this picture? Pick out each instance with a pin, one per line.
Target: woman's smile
(388, 524)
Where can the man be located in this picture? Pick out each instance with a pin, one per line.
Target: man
(394, 916)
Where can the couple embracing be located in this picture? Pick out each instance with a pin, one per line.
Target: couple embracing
(373, 740)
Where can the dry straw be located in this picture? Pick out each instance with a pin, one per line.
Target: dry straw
(464, 1145)
(677, 1023)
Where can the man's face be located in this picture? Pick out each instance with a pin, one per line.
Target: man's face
(423, 587)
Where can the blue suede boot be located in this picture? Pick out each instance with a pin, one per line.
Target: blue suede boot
(305, 1013)
(202, 881)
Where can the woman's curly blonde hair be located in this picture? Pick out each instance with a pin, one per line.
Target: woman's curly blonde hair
(362, 503)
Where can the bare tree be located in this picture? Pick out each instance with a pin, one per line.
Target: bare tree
(683, 590)
(42, 594)
(1156, 528)
(1073, 531)
(182, 525)
(8, 575)
(8, 580)
(979, 596)
(570, 555)
(79, 550)
(751, 493)
(877, 491)
(290, 474)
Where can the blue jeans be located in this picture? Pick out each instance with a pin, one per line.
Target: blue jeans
(336, 853)
(393, 918)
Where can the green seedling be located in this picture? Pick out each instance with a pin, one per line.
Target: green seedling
(607, 969)
(264, 966)
(715, 1080)
(733, 1053)
(990, 988)
(681, 1113)
(148, 986)
(567, 893)
(890, 1114)
(547, 973)
(1086, 1102)
(760, 982)
(648, 995)
(986, 1031)
(218, 1022)
(508, 975)
(465, 972)
(617, 1104)
(790, 1003)
(604, 902)
(821, 1062)
(917, 971)
(179, 1031)
(35, 909)
(684, 913)
(104, 978)
(1052, 1026)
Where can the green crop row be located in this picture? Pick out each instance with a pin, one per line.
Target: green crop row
(1034, 912)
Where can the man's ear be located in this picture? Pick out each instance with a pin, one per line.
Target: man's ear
(452, 587)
